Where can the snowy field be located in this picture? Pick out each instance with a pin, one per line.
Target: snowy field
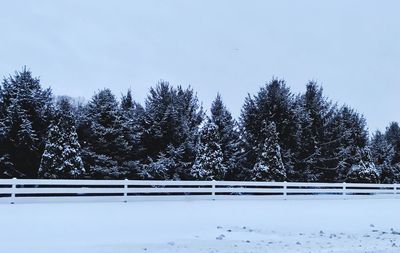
(202, 226)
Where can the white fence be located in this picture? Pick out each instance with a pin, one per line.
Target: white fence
(38, 190)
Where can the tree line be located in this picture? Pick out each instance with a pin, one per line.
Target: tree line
(279, 136)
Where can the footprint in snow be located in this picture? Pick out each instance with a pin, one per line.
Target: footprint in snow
(394, 232)
(220, 237)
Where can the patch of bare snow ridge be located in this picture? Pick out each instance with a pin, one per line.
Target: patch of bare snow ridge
(253, 240)
(276, 226)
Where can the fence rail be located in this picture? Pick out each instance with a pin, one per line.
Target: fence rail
(43, 190)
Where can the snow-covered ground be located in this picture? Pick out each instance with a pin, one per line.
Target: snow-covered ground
(202, 226)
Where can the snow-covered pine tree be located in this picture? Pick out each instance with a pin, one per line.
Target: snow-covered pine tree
(273, 103)
(191, 116)
(171, 122)
(228, 138)
(307, 152)
(61, 157)
(393, 137)
(132, 114)
(313, 112)
(209, 163)
(26, 111)
(6, 166)
(101, 135)
(269, 165)
(346, 135)
(165, 163)
(364, 171)
(382, 153)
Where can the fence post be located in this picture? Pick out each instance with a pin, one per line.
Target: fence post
(213, 189)
(395, 190)
(285, 190)
(13, 189)
(126, 190)
(344, 190)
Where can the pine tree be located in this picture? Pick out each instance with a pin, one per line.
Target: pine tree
(164, 166)
(61, 157)
(346, 135)
(393, 137)
(26, 111)
(209, 160)
(273, 103)
(269, 165)
(313, 112)
(308, 152)
(228, 139)
(171, 121)
(132, 115)
(104, 146)
(364, 171)
(382, 153)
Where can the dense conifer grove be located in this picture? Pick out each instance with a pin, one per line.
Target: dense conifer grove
(279, 136)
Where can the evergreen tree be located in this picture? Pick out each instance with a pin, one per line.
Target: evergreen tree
(313, 112)
(346, 135)
(393, 137)
(161, 167)
(269, 165)
(382, 154)
(104, 146)
(171, 121)
(26, 111)
(382, 151)
(273, 103)
(365, 171)
(61, 157)
(228, 139)
(132, 115)
(209, 160)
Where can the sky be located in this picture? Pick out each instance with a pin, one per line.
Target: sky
(350, 47)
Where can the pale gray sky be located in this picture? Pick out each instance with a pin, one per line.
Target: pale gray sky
(77, 47)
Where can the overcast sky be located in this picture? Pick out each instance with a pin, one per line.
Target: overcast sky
(77, 47)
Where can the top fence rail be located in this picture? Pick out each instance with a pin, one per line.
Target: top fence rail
(47, 190)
